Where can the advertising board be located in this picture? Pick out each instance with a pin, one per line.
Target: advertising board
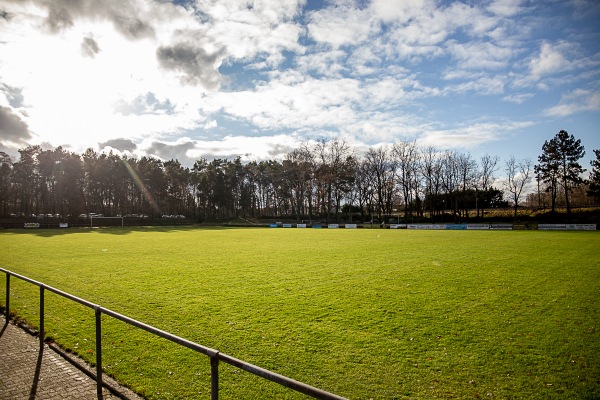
(478, 226)
(456, 227)
(581, 227)
(426, 226)
(552, 227)
(398, 226)
(505, 227)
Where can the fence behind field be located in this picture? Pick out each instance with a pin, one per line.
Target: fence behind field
(214, 355)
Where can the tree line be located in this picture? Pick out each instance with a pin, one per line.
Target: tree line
(326, 181)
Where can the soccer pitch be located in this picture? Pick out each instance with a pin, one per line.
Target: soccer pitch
(373, 313)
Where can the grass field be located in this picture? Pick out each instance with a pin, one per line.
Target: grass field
(365, 314)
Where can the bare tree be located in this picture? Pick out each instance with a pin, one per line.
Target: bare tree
(380, 167)
(299, 169)
(407, 159)
(518, 174)
(451, 180)
(488, 167)
(364, 190)
(334, 172)
(467, 173)
(431, 170)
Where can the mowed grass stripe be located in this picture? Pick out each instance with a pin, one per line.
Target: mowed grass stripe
(362, 313)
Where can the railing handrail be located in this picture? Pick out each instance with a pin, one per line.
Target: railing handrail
(215, 355)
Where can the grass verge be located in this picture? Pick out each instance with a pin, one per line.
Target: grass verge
(362, 313)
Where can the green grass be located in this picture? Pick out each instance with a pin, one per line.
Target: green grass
(381, 314)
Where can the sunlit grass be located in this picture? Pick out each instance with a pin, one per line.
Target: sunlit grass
(365, 314)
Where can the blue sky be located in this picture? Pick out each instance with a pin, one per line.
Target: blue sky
(225, 78)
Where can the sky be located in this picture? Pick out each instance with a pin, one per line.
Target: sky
(225, 78)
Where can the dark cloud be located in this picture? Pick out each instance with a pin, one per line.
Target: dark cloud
(279, 150)
(59, 18)
(146, 104)
(120, 144)
(89, 47)
(12, 128)
(123, 14)
(213, 153)
(133, 28)
(195, 65)
(172, 152)
(14, 95)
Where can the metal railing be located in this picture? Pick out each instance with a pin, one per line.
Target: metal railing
(214, 355)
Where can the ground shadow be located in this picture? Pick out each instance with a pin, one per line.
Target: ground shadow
(38, 365)
(36, 374)
(44, 349)
(3, 328)
(44, 232)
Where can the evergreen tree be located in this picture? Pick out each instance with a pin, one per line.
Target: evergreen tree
(547, 170)
(594, 188)
(559, 164)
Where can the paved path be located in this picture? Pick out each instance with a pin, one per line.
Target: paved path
(25, 373)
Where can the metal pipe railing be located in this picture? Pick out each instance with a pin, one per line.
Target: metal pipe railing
(214, 355)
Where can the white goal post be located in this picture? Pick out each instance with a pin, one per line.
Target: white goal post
(92, 217)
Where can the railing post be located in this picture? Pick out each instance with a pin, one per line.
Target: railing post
(7, 297)
(214, 378)
(41, 317)
(98, 352)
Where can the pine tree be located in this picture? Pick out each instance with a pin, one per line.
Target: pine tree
(547, 170)
(594, 187)
(559, 164)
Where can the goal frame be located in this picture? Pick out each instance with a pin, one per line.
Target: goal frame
(92, 217)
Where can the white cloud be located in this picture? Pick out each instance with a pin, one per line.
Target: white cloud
(249, 148)
(555, 63)
(481, 55)
(329, 63)
(471, 20)
(246, 29)
(550, 60)
(391, 92)
(287, 103)
(403, 12)
(342, 26)
(210, 124)
(294, 101)
(376, 127)
(580, 100)
(419, 29)
(484, 85)
(154, 77)
(471, 135)
(71, 98)
(518, 98)
(505, 8)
